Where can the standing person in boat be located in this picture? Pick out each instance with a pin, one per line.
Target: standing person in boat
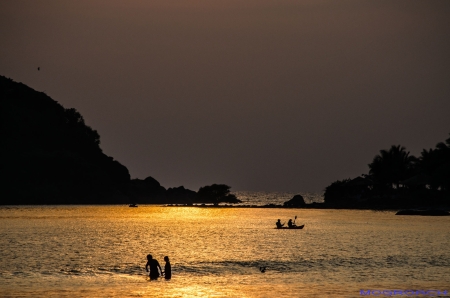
(279, 224)
(291, 224)
(154, 265)
(167, 269)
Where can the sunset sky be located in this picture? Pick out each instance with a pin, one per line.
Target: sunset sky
(275, 95)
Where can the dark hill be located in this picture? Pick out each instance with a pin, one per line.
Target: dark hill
(48, 155)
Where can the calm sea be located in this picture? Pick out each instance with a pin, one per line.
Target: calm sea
(99, 251)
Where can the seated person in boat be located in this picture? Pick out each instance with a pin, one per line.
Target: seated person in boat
(279, 224)
(291, 224)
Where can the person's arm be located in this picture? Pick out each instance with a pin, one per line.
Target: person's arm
(160, 270)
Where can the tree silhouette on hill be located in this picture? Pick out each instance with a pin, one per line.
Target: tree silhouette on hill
(217, 193)
(49, 155)
(399, 179)
(392, 166)
(434, 164)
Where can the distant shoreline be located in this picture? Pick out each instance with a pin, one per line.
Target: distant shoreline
(315, 206)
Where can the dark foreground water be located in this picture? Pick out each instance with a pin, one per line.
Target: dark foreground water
(99, 251)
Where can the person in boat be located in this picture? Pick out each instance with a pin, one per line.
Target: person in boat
(167, 269)
(291, 224)
(153, 265)
(279, 224)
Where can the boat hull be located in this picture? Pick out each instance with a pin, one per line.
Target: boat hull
(293, 228)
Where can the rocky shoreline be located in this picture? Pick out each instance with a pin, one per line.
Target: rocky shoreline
(309, 206)
(297, 202)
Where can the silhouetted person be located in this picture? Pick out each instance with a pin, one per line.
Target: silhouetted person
(167, 268)
(154, 265)
(279, 224)
(291, 224)
(262, 269)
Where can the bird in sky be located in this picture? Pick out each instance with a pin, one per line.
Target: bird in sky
(39, 68)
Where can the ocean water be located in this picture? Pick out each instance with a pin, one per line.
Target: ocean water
(100, 251)
(260, 198)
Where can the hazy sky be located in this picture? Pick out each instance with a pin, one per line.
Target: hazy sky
(277, 95)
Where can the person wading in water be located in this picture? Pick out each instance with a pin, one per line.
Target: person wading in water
(154, 265)
(167, 268)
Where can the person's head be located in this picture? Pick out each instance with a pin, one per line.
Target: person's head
(166, 258)
(149, 257)
(279, 220)
(290, 220)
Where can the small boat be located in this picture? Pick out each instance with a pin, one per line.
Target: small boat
(293, 228)
(132, 205)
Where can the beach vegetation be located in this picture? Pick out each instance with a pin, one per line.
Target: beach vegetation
(217, 193)
(396, 178)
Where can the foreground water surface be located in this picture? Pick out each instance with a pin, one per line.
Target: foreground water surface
(99, 251)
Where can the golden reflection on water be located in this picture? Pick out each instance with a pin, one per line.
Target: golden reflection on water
(99, 251)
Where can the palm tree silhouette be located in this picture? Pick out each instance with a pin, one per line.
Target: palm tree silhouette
(392, 166)
(435, 164)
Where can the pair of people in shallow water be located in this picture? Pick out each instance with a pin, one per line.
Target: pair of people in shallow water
(290, 224)
(153, 265)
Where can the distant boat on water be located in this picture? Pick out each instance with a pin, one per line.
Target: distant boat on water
(291, 228)
(132, 205)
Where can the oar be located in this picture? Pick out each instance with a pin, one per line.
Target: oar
(295, 219)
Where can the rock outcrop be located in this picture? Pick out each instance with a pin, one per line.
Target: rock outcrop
(296, 201)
